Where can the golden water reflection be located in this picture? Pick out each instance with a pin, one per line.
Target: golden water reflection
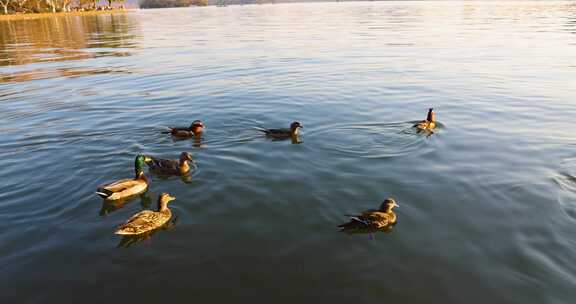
(24, 76)
(57, 39)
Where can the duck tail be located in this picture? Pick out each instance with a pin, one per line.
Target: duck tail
(260, 129)
(168, 132)
(121, 232)
(359, 220)
(103, 193)
(354, 224)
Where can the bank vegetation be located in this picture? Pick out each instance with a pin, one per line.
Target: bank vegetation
(171, 3)
(53, 6)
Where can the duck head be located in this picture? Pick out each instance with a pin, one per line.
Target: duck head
(431, 115)
(185, 156)
(295, 127)
(388, 204)
(197, 127)
(139, 164)
(163, 201)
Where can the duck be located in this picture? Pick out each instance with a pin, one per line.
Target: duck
(292, 132)
(129, 240)
(126, 188)
(373, 219)
(148, 220)
(179, 166)
(195, 130)
(429, 123)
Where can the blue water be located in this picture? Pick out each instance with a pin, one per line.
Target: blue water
(487, 203)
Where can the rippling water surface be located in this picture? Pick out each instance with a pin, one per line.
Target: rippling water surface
(487, 203)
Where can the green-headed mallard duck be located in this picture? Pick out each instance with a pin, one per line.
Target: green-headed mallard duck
(373, 219)
(429, 124)
(179, 166)
(126, 187)
(292, 132)
(195, 130)
(147, 220)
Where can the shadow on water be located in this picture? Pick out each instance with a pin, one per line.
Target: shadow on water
(197, 141)
(185, 178)
(111, 206)
(129, 240)
(370, 231)
(294, 140)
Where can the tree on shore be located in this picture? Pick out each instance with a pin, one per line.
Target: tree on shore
(171, 3)
(91, 4)
(112, 1)
(21, 3)
(5, 4)
(53, 6)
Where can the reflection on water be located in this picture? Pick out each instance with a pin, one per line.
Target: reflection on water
(185, 178)
(51, 40)
(109, 206)
(369, 231)
(24, 76)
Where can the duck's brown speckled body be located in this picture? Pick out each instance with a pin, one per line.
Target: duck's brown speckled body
(195, 130)
(291, 132)
(373, 219)
(148, 220)
(179, 166)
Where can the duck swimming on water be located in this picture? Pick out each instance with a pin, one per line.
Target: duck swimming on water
(147, 220)
(429, 123)
(126, 187)
(373, 219)
(179, 166)
(195, 130)
(292, 132)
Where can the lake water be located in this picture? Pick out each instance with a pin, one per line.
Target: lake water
(487, 203)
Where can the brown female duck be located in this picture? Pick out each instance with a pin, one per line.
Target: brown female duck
(292, 132)
(373, 219)
(147, 220)
(429, 123)
(179, 166)
(195, 130)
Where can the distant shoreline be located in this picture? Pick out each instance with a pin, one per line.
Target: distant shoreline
(24, 16)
